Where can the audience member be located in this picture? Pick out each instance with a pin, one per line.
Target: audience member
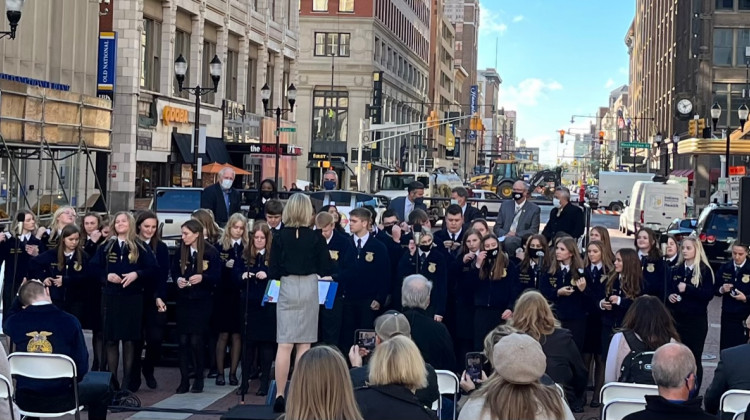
(732, 372)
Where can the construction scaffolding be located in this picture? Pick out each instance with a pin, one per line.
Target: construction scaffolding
(54, 150)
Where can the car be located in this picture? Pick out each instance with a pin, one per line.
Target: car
(717, 229)
(487, 208)
(174, 206)
(627, 225)
(345, 201)
(680, 228)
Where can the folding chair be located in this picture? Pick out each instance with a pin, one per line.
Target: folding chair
(734, 401)
(621, 390)
(448, 383)
(560, 389)
(6, 393)
(46, 366)
(739, 416)
(619, 408)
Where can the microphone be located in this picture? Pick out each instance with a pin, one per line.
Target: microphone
(540, 254)
(20, 218)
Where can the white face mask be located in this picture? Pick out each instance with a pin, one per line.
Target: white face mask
(226, 183)
(454, 201)
(556, 203)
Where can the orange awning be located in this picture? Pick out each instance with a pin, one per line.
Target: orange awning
(214, 168)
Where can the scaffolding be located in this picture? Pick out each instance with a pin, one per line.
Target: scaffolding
(46, 129)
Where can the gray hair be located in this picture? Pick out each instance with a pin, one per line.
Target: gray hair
(524, 183)
(225, 170)
(565, 192)
(332, 172)
(672, 364)
(461, 192)
(415, 292)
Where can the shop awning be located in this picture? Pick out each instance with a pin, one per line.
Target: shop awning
(317, 164)
(184, 146)
(216, 150)
(683, 173)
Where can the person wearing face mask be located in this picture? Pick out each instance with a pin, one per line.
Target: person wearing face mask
(403, 206)
(734, 287)
(330, 180)
(425, 260)
(564, 218)
(532, 264)
(266, 193)
(391, 236)
(517, 219)
(674, 373)
(221, 198)
(459, 196)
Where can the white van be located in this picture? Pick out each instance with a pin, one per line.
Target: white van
(654, 205)
(615, 187)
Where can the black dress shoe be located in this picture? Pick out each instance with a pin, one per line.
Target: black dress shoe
(220, 380)
(183, 388)
(212, 373)
(576, 408)
(197, 386)
(279, 406)
(150, 381)
(233, 379)
(262, 391)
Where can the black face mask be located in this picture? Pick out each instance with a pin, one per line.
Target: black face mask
(517, 196)
(266, 194)
(388, 229)
(533, 251)
(425, 248)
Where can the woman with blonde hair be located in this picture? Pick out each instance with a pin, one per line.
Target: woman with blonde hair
(63, 216)
(321, 388)
(211, 230)
(396, 371)
(514, 391)
(691, 288)
(299, 257)
(532, 315)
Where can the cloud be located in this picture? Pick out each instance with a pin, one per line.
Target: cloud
(491, 23)
(609, 83)
(517, 18)
(527, 93)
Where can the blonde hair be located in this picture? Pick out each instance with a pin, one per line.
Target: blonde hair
(210, 228)
(700, 260)
(54, 226)
(504, 400)
(130, 239)
(226, 235)
(398, 361)
(323, 219)
(297, 211)
(321, 388)
(533, 315)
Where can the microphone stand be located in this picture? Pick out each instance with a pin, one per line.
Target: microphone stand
(539, 256)
(243, 387)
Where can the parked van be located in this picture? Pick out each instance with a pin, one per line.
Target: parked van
(654, 205)
(615, 188)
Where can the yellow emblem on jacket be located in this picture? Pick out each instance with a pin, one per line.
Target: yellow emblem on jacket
(746, 278)
(77, 266)
(369, 256)
(432, 267)
(205, 265)
(334, 255)
(650, 268)
(38, 342)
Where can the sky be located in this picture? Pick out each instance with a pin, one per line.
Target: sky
(556, 58)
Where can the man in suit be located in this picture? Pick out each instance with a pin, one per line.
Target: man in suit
(732, 372)
(564, 218)
(517, 218)
(404, 205)
(449, 239)
(221, 198)
(459, 196)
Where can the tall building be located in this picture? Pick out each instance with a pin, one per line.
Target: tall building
(256, 41)
(441, 81)
(493, 142)
(343, 43)
(464, 14)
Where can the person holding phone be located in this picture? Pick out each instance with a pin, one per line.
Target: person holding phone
(734, 277)
(652, 263)
(464, 293)
(623, 285)
(423, 259)
(532, 264)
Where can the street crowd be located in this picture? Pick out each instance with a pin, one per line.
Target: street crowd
(532, 323)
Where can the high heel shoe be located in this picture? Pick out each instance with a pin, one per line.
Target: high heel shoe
(197, 386)
(279, 406)
(233, 379)
(183, 388)
(220, 380)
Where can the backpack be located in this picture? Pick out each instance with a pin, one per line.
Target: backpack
(636, 367)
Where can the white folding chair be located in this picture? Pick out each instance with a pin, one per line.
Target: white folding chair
(46, 366)
(560, 389)
(739, 416)
(6, 393)
(734, 401)
(619, 408)
(448, 383)
(621, 390)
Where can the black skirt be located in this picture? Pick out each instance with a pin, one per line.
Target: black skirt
(122, 317)
(592, 342)
(227, 316)
(261, 322)
(193, 315)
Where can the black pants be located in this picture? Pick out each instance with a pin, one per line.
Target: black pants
(577, 327)
(693, 330)
(485, 320)
(266, 354)
(192, 349)
(732, 331)
(153, 333)
(94, 391)
(329, 323)
(357, 314)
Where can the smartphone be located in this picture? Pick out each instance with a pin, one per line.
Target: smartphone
(474, 366)
(365, 339)
(417, 228)
(733, 292)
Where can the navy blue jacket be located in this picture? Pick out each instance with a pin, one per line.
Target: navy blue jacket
(654, 274)
(342, 254)
(613, 318)
(395, 252)
(157, 287)
(90, 246)
(574, 306)
(528, 278)
(52, 331)
(435, 269)
(369, 274)
(466, 279)
(225, 285)
(8, 249)
(75, 276)
(110, 258)
(596, 286)
(211, 274)
(257, 288)
(496, 293)
(442, 236)
(741, 282)
(695, 299)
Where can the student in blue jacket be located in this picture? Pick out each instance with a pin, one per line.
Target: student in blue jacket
(733, 284)
(17, 248)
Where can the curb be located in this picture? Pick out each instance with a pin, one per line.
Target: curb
(607, 212)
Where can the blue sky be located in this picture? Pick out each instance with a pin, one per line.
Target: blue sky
(556, 58)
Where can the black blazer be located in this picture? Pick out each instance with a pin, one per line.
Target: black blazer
(732, 372)
(570, 221)
(564, 363)
(387, 402)
(213, 198)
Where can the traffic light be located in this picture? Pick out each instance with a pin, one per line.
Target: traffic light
(432, 120)
(693, 128)
(601, 138)
(562, 136)
(475, 124)
(702, 131)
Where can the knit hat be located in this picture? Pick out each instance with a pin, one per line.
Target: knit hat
(392, 323)
(519, 359)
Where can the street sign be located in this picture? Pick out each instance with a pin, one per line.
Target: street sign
(634, 145)
(734, 187)
(736, 170)
(286, 130)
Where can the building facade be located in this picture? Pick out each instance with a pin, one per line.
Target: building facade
(343, 44)
(257, 43)
(441, 84)
(493, 142)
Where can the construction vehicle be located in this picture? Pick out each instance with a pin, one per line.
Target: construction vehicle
(482, 182)
(437, 184)
(504, 174)
(543, 183)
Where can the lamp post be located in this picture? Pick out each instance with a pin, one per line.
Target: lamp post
(660, 145)
(13, 13)
(265, 93)
(180, 68)
(715, 115)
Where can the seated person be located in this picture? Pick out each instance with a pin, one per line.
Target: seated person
(41, 327)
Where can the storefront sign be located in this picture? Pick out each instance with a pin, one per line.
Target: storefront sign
(324, 156)
(107, 66)
(35, 82)
(172, 114)
(270, 149)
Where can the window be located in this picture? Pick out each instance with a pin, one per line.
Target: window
(270, 77)
(743, 41)
(376, 50)
(743, 4)
(724, 4)
(346, 5)
(722, 47)
(182, 46)
(327, 44)
(150, 43)
(272, 4)
(330, 115)
(252, 72)
(209, 50)
(230, 75)
(320, 5)
(344, 45)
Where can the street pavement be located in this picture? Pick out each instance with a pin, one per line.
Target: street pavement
(222, 398)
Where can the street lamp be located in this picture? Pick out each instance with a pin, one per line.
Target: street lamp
(13, 13)
(265, 94)
(660, 145)
(180, 69)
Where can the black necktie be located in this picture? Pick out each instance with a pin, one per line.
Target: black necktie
(359, 246)
(564, 272)
(236, 249)
(737, 269)
(453, 237)
(643, 260)
(688, 273)
(595, 272)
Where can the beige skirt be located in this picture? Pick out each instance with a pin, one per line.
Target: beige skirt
(297, 310)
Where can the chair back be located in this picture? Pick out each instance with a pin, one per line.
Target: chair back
(626, 391)
(734, 401)
(618, 409)
(448, 382)
(6, 392)
(739, 416)
(42, 365)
